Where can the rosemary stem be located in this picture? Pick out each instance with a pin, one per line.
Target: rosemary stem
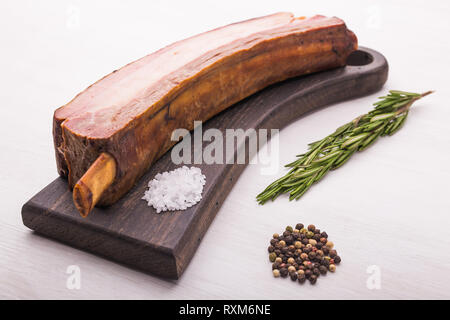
(333, 151)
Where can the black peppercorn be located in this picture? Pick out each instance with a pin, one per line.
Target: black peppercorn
(317, 231)
(305, 241)
(323, 269)
(325, 250)
(313, 279)
(293, 276)
(337, 259)
(311, 227)
(270, 249)
(286, 233)
(319, 245)
(316, 272)
(306, 250)
(299, 226)
(301, 279)
(284, 272)
(311, 255)
(289, 239)
(325, 262)
(324, 235)
(316, 237)
(273, 242)
(333, 253)
(308, 273)
(275, 265)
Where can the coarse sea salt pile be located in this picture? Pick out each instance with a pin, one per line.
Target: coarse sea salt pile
(178, 189)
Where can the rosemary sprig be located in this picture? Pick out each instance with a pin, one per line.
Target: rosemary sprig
(333, 151)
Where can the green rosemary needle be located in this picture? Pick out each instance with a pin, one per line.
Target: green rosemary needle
(333, 151)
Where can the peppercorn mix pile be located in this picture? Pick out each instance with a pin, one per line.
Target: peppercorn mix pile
(302, 253)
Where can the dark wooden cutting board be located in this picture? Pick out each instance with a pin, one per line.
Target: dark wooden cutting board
(132, 233)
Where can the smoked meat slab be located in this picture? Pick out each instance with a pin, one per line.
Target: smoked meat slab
(131, 113)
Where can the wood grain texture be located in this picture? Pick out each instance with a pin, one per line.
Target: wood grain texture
(132, 233)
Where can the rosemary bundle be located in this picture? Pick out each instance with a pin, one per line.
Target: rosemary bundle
(333, 151)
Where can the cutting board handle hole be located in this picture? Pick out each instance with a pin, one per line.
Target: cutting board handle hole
(359, 58)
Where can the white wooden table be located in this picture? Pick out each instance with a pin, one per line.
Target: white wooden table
(389, 207)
